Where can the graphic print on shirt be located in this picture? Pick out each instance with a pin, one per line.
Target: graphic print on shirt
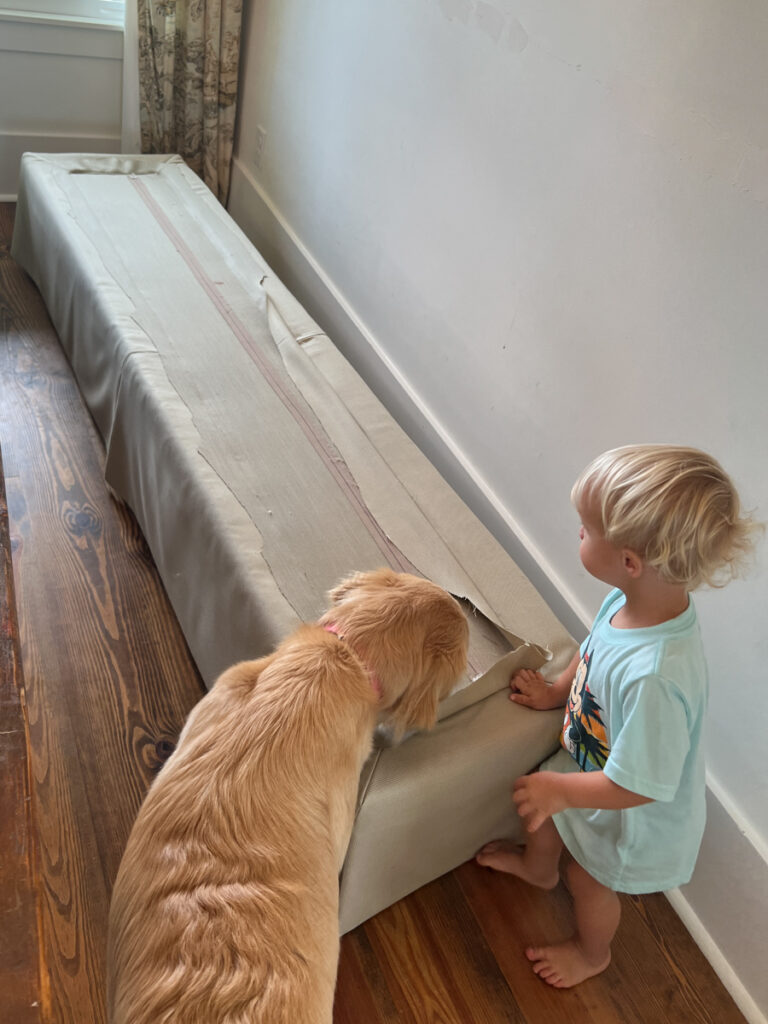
(583, 733)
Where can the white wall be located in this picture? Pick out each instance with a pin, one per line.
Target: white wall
(60, 89)
(540, 230)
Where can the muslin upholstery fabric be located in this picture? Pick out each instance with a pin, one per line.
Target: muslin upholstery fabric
(262, 469)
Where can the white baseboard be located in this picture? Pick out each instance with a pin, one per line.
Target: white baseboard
(725, 906)
(714, 955)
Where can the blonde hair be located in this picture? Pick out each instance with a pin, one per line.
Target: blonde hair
(674, 506)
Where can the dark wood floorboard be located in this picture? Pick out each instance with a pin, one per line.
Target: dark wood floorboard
(19, 935)
(108, 678)
(108, 681)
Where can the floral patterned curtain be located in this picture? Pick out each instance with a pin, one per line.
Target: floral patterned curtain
(189, 51)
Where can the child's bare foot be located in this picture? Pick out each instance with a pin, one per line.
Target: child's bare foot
(566, 964)
(502, 855)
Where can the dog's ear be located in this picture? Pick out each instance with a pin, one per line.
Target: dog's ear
(416, 709)
(376, 578)
(343, 587)
(444, 659)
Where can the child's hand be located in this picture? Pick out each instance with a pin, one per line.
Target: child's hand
(537, 797)
(533, 691)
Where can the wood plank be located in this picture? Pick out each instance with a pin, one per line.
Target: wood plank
(19, 935)
(513, 916)
(437, 965)
(109, 677)
(657, 974)
(362, 993)
(653, 945)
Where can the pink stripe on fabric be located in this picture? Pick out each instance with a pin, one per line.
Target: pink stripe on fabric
(314, 433)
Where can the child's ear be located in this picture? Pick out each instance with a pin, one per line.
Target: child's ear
(633, 563)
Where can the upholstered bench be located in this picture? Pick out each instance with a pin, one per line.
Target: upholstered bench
(261, 470)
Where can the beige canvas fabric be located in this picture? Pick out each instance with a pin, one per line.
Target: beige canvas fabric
(262, 469)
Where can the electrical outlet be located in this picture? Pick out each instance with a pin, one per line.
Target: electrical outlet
(260, 137)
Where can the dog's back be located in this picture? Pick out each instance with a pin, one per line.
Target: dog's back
(222, 910)
(225, 908)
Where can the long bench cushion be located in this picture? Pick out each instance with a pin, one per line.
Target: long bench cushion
(262, 469)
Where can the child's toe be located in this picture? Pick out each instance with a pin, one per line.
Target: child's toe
(492, 847)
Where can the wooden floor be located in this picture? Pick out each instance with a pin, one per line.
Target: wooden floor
(108, 682)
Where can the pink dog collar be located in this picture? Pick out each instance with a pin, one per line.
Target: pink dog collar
(333, 627)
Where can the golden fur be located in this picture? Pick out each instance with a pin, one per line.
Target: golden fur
(225, 907)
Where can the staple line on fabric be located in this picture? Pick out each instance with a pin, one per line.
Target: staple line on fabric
(315, 434)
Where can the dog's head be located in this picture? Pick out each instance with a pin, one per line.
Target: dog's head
(411, 633)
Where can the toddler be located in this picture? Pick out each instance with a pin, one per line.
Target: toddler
(625, 794)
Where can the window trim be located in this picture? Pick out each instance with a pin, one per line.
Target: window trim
(94, 13)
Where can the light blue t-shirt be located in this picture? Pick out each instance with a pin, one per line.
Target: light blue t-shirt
(636, 711)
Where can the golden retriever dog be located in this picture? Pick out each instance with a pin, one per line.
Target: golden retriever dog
(225, 907)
